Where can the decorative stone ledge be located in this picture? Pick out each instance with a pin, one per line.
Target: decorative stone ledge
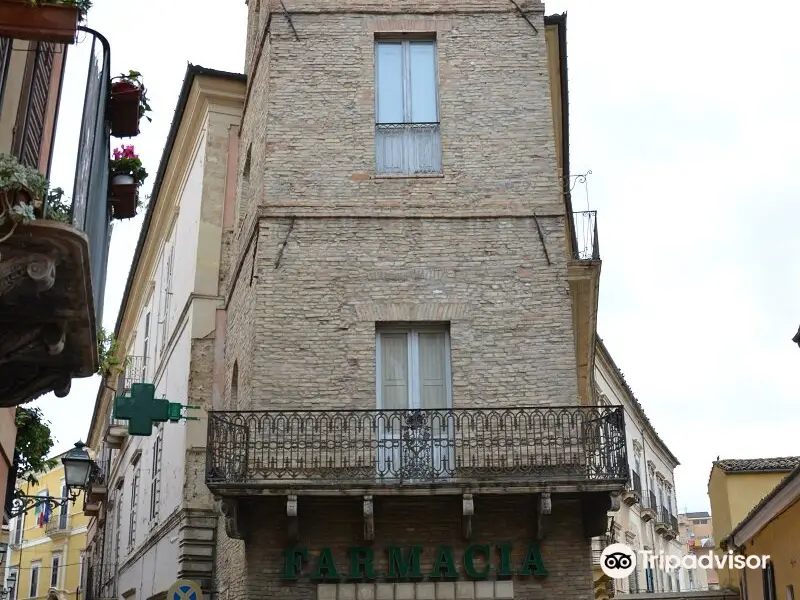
(459, 590)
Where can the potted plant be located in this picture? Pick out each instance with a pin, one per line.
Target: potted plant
(22, 193)
(128, 103)
(127, 174)
(42, 20)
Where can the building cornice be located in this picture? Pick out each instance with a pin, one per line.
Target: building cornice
(203, 88)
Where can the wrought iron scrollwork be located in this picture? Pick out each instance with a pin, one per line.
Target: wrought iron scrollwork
(374, 447)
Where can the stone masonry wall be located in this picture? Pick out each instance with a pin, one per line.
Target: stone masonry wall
(429, 522)
(312, 272)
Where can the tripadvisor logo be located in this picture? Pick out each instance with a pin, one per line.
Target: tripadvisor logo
(619, 561)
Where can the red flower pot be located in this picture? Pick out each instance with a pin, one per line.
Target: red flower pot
(19, 19)
(124, 108)
(123, 196)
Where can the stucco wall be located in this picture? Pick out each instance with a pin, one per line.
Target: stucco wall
(780, 540)
(732, 497)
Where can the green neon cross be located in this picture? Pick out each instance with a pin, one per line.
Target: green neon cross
(141, 409)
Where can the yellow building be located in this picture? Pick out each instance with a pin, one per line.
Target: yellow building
(735, 487)
(46, 550)
(771, 529)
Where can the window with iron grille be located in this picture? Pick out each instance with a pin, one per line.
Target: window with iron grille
(407, 138)
(134, 505)
(155, 484)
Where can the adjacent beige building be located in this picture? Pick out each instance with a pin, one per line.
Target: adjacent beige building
(152, 518)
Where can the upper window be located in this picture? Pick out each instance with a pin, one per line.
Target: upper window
(407, 109)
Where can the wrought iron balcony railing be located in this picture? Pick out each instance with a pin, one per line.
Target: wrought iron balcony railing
(135, 372)
(663, 515)
(586, 242)
(637, 483)
(523, 446)
(674, 522)
(653, 504)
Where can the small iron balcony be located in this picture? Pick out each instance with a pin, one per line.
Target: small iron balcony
(586, 242)
(525, 447)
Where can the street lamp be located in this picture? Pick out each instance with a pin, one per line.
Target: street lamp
(77, 466)
(796, 338)
(11, 582)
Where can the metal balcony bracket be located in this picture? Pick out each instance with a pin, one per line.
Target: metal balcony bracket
(545, 508)
(291, 514)
(467, 512)
(369, 519)
(230, 509)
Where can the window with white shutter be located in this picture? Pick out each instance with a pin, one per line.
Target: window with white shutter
(414, 399)
(407, 139)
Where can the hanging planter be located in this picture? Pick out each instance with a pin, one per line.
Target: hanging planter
(126, 174)
(42, 20)
(127, 104)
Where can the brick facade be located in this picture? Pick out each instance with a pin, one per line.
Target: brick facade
(323, 248)
(258, 566)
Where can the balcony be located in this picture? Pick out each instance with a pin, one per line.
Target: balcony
(135, 372)
(96, 490)
(662, 523)
(633, 490)
(53, 254)
(58, 526)
(376, 451)
(583, 273)
(649, 509)
(672, 533)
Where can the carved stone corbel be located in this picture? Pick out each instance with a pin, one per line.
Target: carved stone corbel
(369, 519)
(229, 509)
(545, 508)
(54, 337)
(615, 502)
(467, 512)
(291, 514)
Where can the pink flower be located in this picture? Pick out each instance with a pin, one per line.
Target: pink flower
(124, 152)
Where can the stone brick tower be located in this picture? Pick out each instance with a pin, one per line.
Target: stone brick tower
(406, 287)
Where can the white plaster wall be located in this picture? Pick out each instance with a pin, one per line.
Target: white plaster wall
(629, 518)
(154, 571)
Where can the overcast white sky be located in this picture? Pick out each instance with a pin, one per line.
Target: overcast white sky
(687, 116)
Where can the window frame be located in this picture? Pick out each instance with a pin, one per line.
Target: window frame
(412, 331)
(33, 583)
(406, 40)
(55, 570)
(146, 343)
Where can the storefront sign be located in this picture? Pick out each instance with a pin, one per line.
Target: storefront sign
(396, 563)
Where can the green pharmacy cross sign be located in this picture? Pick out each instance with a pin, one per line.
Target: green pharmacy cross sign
(141, 409)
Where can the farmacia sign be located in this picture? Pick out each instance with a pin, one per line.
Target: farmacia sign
(404, 563)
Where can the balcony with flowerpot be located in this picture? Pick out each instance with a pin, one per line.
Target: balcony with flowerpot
(128, 104)
(126, 174)
(54, 245)
(54, 21)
